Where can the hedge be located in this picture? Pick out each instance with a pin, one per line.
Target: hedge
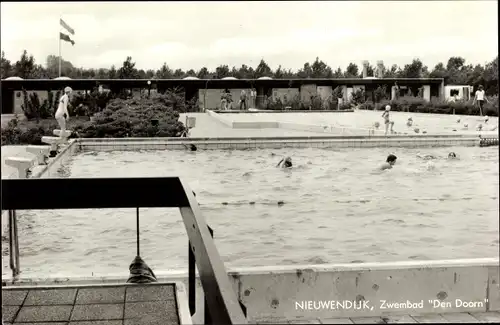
(121, 118)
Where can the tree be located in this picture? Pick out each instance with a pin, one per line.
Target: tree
(263, 70)
(203, 73)
(491, 77)
(178, 74)
(416, 69)
(320, 69)
(141, 74)
(190, 73)
(439, 71)
(6, 67)
(476, 75)
(352, 71)
(165, 72)
(278, 74)
(150, 74)
(128, 70)
(222, 71)
(393, 72)
(289, 74)
(370, 71)
(306, 71)
(455, 62)
(25, 67)
(338, 73)
(246, 72)
(235, 73)
(112, 73)
(67, 68)
(102, 73)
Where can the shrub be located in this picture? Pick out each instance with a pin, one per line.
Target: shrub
(358, 97)
(275, 104)
(345, 106)
(368, 105)
(89, 104)
(133, 118)
(337, 92)
(26, 132)
(380, 93)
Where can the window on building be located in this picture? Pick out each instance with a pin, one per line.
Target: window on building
(454, 92)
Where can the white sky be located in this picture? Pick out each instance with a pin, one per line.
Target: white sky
(195, 34)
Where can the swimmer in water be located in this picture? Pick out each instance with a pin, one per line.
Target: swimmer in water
(191, 147)
(430, 165)
(426, 157)
(285, 163)
(391, 160)
(452, 155)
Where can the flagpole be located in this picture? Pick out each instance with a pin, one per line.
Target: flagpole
(59, 36)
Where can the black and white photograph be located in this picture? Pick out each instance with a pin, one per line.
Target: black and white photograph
(249, 162)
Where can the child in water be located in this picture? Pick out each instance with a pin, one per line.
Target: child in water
(391, 160)
(285, 163)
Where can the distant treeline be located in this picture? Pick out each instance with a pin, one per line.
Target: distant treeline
(455, 71)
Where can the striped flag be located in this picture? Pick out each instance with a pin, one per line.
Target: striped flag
(66, 38)
(66, 26)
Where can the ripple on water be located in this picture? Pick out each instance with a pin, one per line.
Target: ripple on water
(334, 206)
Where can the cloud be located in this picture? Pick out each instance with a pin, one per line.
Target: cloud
(196, 34)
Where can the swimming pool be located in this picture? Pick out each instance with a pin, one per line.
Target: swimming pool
(336, 209)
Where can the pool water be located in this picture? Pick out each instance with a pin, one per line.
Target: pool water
(337, 208)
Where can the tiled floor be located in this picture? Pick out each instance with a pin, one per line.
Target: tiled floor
(97, 305)
(489, 317)
(209, 127)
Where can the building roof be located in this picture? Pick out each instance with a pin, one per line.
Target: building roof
(47, 84)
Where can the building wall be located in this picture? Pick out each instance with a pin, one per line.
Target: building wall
(325, 92)
(212, 98)
(290, 93)
(306, 91)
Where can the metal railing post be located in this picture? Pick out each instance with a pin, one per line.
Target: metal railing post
(208, 317)
(13, 244)
(191, 280)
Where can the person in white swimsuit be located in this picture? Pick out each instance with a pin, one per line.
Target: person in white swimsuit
(480, 98)
(62, 115)
(385, 115)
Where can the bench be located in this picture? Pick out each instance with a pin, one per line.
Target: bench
(67, 133)
(22, 164)
(54, 143)
(41, 152)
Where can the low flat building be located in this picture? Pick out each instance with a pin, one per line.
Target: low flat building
(208, 91)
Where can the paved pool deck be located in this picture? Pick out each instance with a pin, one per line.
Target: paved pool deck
(487, 317)
(110, 305)
(157, 304)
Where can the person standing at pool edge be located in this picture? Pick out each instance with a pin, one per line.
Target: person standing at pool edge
(62, 115)
(391, 160)
(385, 115)
(480, 98)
